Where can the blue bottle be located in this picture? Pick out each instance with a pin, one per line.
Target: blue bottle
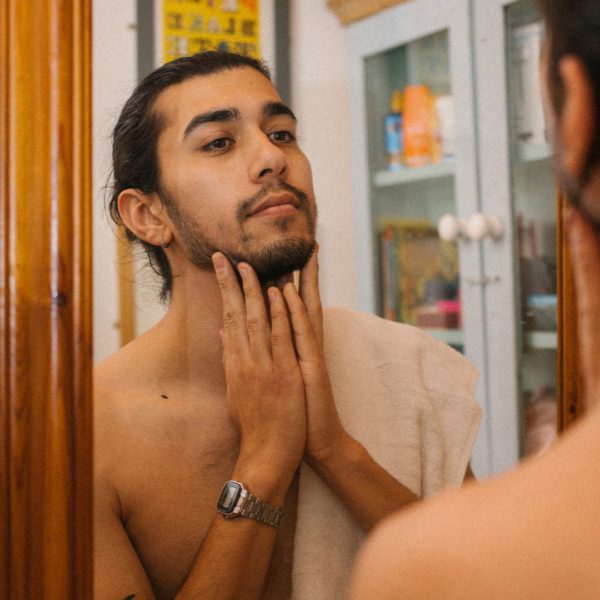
(394, 143)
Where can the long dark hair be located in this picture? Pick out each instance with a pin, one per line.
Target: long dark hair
(573, 28)
(135, 162)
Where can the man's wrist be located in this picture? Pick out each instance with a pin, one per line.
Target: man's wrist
(236, 500)
(264, 478)
(345, 451)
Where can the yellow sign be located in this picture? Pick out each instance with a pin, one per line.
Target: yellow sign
(191, 26)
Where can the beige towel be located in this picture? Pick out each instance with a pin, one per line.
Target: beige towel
(409, 400)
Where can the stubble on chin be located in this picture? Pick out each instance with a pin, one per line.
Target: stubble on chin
(273, 260)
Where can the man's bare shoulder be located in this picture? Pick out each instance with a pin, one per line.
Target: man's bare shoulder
(123, 385)
(489, 540)
(131, 365)
(410, 553)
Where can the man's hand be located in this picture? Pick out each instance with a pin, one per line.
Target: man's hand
(585, 251)
(264, 384)
(325, 434)
(342, 463)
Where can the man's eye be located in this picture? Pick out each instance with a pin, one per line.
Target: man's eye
(218, 144)
(282, 137)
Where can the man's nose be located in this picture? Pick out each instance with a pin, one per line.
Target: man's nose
(268, 160)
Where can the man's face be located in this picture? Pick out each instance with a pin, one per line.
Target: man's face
(233, 177)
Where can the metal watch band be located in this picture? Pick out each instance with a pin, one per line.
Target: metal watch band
(256, 509)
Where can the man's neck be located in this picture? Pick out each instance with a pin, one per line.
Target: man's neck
(189, 331)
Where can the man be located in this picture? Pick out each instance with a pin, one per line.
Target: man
(229, 395)
(535, 532)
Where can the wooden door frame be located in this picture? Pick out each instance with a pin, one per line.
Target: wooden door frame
(348, 11)
(46, 300)
(569, 382)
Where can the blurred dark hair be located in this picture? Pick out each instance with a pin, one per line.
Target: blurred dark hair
(573, 28)
(135, 136)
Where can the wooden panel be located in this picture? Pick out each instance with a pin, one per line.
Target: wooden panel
(348, 11)
(127, 321)
(568, 373)
(4, 408)
(45, 321)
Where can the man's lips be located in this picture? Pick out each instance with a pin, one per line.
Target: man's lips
(276, 205)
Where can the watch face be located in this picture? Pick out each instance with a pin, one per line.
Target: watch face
(229, 497)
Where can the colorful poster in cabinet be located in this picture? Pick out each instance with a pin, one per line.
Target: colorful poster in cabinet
(419, 275)
(191, 26)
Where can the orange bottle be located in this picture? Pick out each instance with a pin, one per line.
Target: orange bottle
(417, 125)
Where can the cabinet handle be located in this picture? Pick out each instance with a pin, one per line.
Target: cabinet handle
(451, 228)
(477, 227)
(480, 226)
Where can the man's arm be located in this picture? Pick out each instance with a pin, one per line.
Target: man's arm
(368, 491)
(118, 572)
(265, 395)
(343, 464)
(231, 563)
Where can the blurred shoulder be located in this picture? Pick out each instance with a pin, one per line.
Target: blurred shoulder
(421, 553)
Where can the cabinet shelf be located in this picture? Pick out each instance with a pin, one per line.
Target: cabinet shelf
(453, 337)
(534, 152)
(541, 340)
(405, 175)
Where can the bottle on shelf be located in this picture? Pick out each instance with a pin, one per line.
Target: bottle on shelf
(444, 107)
(417, 135)
(394, 143)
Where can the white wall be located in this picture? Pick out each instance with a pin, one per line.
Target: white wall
(320, 100)
(114, 72)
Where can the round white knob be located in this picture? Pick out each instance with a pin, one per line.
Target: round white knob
(449, 228)
(477, 227)
(495, 227)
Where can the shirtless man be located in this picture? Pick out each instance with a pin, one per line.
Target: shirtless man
(210, 179)
(533, 533)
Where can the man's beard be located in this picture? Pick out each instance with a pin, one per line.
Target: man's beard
(270, 261)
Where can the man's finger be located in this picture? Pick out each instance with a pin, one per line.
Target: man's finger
(310, 294)
(282, 348)
(307, 344)
(234, 311)
(257, 323)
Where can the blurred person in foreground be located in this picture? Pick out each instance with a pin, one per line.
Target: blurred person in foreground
(534, 532)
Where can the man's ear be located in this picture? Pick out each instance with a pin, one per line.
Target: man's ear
(145, 216)
(576, 128)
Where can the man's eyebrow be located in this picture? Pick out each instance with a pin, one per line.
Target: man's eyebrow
(213, 116)
(273, 109)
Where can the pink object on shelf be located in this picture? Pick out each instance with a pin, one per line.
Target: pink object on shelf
(452, 306)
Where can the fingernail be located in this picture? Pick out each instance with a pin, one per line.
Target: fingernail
(218, 260)
(243, 271)
(272, 294)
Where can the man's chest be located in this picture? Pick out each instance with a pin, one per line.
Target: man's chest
(168, 485)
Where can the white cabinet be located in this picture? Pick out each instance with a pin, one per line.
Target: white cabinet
(464, 72)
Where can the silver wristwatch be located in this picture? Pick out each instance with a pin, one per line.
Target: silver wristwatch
(236, 501)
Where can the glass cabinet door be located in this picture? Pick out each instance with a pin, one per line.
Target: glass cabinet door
(414, 164)
(519, 185)
(410, 72)
(533, 194)
(411, 150)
